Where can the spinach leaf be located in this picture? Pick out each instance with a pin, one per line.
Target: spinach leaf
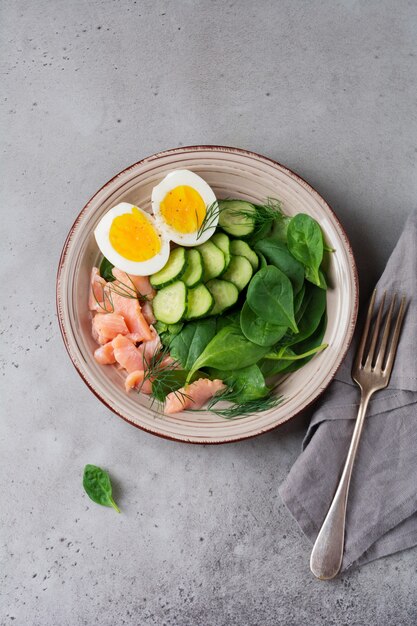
(277, 253)
(190, 342)
(246, 384)
(106, 270)
(298, 300)
(279, 228)
(227, 349)
(231, 317)
(262, 231)
(257, 330)
(160, 327)
(270, 295)
(305, 242)
(97, 485)
(312, 310)
(311, 345)
(262, 260)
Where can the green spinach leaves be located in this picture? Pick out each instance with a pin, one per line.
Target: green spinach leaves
(97, 485)
(229, 350)
(305, 242)
(270, 296)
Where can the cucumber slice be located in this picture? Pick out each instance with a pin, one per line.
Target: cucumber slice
(194, 272)
(241, 248)
(172, 270)
(239, 272)
(170, 303)
(225, 295)
(213, 260)
(222, 241)
(235, 217)
(200, 302)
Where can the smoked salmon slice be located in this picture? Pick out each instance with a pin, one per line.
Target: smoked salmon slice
(192, 396)
(106, 326)
(127, 354)
(130, 309)
(140, 284)
(97, 300)
(135, 379)
(105, 354)
(147, 311)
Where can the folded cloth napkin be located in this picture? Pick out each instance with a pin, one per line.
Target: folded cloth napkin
(382, 505)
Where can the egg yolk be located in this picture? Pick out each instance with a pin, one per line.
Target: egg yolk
(183, 209)
(133, 236)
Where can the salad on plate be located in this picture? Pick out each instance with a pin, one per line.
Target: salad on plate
(207, 302)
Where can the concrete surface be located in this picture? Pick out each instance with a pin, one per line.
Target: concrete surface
(327, 88)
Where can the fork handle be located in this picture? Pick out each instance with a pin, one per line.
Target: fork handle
(326, 557)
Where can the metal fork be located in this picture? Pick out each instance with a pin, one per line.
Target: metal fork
(371, 374)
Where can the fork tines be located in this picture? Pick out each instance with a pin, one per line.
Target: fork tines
(367, 358)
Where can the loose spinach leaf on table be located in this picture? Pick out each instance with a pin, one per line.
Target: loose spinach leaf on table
(106, 270)
(97, 485)
(277, 253)
(257, 330)
(270, 295)
(190, 342)
(305, 242)
(247, 383)
(228, 349)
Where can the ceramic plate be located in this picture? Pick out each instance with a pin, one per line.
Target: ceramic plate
(231, 173)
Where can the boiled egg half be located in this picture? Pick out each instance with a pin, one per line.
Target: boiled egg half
(129, 238)
(185, 208)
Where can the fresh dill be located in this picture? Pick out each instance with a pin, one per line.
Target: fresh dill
(241, 409)
(210, 219)
(165, 376)
(263, 215)
(120, 288)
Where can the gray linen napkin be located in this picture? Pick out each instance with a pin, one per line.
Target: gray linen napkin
(382, 506)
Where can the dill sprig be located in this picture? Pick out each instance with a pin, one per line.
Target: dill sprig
(120, 288)
(264, 214)
(165, 377)
(241, 409)
(210, 218)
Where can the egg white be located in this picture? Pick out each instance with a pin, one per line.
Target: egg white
(136, 268)
(190, 179)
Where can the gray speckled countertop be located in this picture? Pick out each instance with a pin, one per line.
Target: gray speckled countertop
(328, 88)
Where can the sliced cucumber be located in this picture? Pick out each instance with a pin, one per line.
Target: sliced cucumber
(222, 241)
(225, 295)
(194, 272)
(172, 270)
(239, 272)
(237, 217)
(241, 248)
(213, 260)
(199, 302)
(170, 303)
